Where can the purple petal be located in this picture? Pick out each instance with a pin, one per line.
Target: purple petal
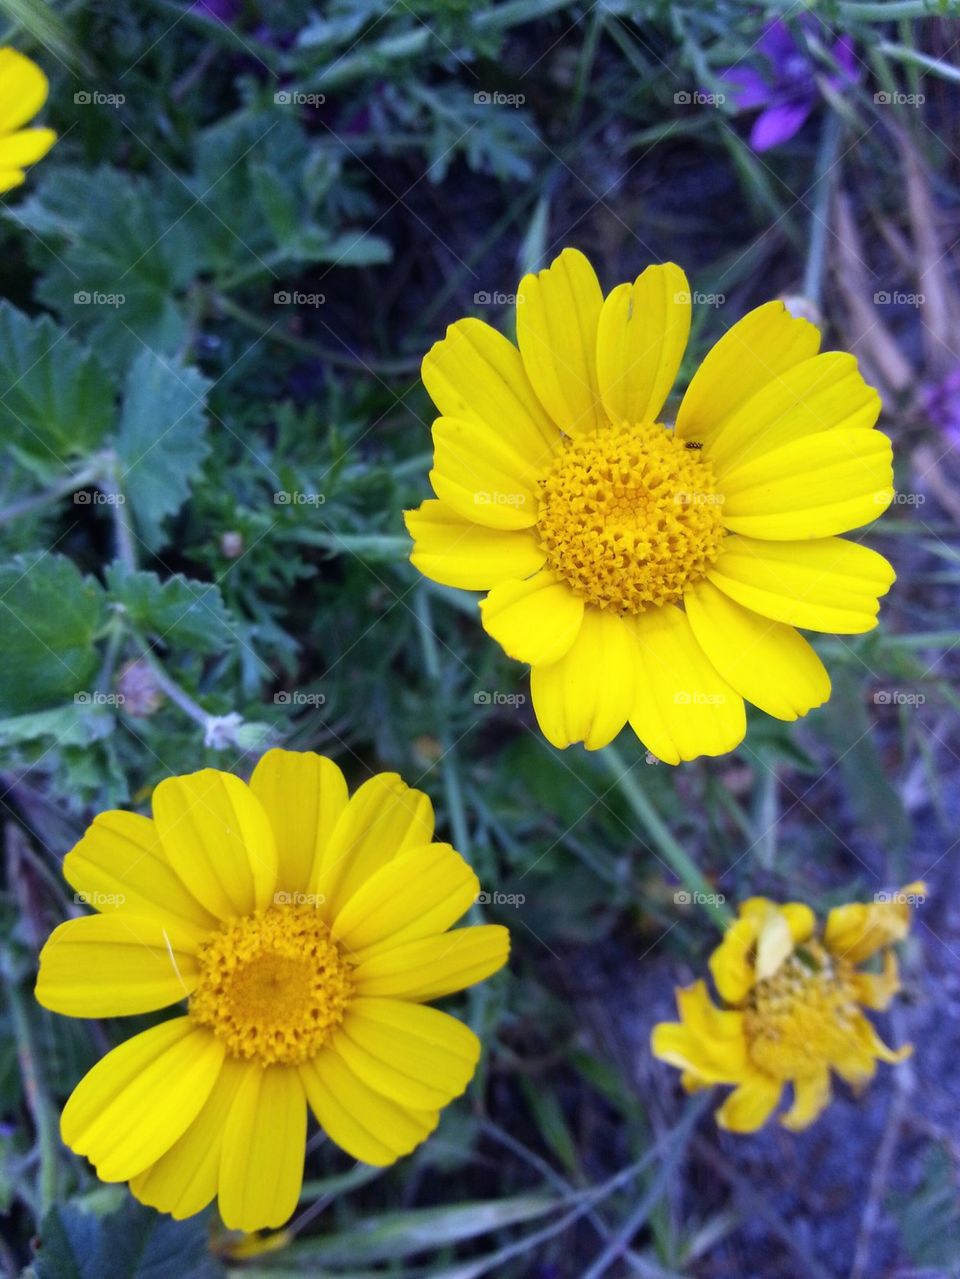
(846, 59)
(777, 43)
(747, 88)
(779, 124)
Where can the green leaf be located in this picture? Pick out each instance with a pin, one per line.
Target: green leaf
(77, 724)
(58, 401)
(49, 615)
(161, 442)
(122, 241)
(135, 1243)
(177, 611)
(404, 1234)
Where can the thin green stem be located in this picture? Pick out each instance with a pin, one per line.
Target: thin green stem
(677, 858)
(820, 214)
(448, 760)
(91, 474)
(44, 1117)
(253, 322)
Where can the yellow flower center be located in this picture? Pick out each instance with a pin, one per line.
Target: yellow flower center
(273, 986)
(629, 517)
(802, 1018)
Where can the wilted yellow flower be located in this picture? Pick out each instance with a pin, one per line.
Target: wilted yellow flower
(793, 1000)
(646, 572)
(306, 930)
(23, 91)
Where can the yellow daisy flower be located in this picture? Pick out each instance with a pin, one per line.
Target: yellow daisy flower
(645, 572)
(306, 929)
(793, 997)
(23, 91)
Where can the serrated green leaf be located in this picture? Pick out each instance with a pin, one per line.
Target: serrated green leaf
(49, 615)
(161, 441)
(77, 724)
(56, 399)
(177, 611)
(113, 235)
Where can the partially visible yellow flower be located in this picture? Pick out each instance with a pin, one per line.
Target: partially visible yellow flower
(23, 91)
(648, 572)
(306, 930)
(793, 997)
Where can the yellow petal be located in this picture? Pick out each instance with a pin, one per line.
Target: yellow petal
(682, 708)
(415, 1056)
(859, 929)
(641, 338)
(457, 552)
(359, 1119)
(753, 353)
(138, 1100)
(876, 990)
(535, 621)
(418, 894)
(705, 1019)
(185, 1179)
(120, 865)
(303, 794)
(820, 394)
(810, 1095)
(481, 477)
(558, 313)
(764, 661)
(10, 178)
(801, 920)
(774, 945)
(751, 1105)
(731, 964)
(475, 374)
(23, 90)
(826, 584)
(814, 487)
(26, 147)
(111, 966)
(383, 819)
(705, 1062)
(586, 696)
(264, 1141)
(218, 839)
(433, 966)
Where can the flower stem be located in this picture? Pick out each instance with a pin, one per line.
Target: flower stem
(667, 847)
(40, 1109)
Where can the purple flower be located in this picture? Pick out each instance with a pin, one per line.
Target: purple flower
(785, 88)
(941, 403)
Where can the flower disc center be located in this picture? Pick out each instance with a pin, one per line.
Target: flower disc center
(629, 517)
(804, 1016)
(273, 985)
